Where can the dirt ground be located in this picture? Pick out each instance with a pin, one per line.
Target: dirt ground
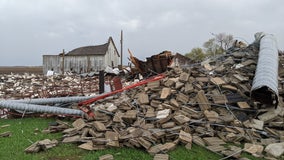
(21, 69)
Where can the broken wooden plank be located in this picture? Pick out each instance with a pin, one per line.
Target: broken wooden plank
(181, 119)
(185, 137)
(72, 139)
(153, 85)
(33, 148)
(163, 114)
(211, 141)
(243, 105)
(143, 98)
(99, 126)
(79, 124)
(217, 81)
(212, 116)
(106, 157)
(161, 157)
(155, 149)
(168, 125)
(203, 101)
(182, 98)
(216, 148)
(198, 140)
(240, 77)
(112, 138)
(87, 146)
(219, 99)
(257, 124)
(5, 125)
(253, 148)
(47, 143)
(184, 77)
(6, 134)
(165, 93)
(129, 116)
(144, 143)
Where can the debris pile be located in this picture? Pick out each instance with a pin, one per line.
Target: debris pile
(208, 105)
(154, 64)
(20, 86)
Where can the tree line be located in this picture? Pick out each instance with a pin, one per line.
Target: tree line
(214, 46)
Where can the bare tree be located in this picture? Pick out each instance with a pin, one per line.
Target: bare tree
(225, 41)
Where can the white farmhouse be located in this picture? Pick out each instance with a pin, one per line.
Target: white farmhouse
(83, 59)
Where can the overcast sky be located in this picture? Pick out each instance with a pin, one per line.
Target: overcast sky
(32, 28)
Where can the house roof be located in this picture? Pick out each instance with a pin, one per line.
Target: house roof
(92, 50)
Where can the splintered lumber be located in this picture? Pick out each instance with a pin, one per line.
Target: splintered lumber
(33, 148)
(87, 146)
(72, 139)
(184, 77)
(219, 99)
(146, 144)
(6, 134)
(275, 149)
(143, 98)
(185, 137)
(79, 124)
(243, 104)
(181, 119)
(211, 141)
(106, 157)
(165, 93)
(203, 101)
(217, 81)
(212, 116)
(161, 157)
(155, 149)
(253, 148)
(99, 126)
(41, 145)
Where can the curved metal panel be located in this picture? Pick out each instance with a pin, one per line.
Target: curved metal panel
(265, 82)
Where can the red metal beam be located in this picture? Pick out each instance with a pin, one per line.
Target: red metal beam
(84, 105)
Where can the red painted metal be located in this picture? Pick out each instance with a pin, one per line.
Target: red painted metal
(84, 104)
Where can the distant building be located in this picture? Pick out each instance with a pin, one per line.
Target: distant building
(83, 59)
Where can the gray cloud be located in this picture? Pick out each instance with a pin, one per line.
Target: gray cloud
(31, 28)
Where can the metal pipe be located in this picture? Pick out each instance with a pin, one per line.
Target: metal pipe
(265, 83)
(39, 108)
(54, 100)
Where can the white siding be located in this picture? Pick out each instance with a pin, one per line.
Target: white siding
(51, 62)
(111, 56)
(81, 64)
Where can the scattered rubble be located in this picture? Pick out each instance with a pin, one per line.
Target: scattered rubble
(106, 157)
(41, 145)
(208, 104)
(21, 86)
(6, 134)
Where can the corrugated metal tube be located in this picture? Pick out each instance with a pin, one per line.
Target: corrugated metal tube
(54, 100)
(39, 108)
(265, 82)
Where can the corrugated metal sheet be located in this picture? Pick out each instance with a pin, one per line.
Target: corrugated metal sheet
(265, 83)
